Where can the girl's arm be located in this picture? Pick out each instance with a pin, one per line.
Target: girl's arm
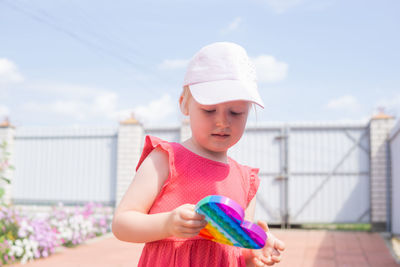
(131, 222)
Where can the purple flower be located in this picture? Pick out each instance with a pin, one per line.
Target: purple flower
(64, 226)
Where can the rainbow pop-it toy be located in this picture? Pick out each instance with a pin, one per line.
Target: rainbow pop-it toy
(226, 223)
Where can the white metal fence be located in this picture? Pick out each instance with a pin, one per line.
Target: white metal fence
(71, 165)
(310, 173)
(395, 159)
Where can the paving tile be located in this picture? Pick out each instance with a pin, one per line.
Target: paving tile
(320, 253)
(352, 260)
(105, 252)
(380, 259)
(318, 263)
(303, 249)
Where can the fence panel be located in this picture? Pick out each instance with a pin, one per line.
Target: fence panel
(329, 174)
(71, 165)
(395, 158)
(260, 148)
(170, 134)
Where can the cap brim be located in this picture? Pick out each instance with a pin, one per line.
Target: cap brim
(216, 92)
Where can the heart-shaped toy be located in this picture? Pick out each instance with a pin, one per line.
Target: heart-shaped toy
(226, 224)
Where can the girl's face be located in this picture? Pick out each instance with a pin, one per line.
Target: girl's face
(216, 128)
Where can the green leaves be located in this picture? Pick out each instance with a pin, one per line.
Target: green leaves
(4, 166)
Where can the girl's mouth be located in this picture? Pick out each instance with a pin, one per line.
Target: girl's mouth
(221, 136)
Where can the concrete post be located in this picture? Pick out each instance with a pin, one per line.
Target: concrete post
(380, 127)
(7, 133)
(130, 143)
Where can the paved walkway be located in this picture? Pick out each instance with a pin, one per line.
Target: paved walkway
(303, 249)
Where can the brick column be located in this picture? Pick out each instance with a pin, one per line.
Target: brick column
(7, 133)
(186, 132)
(130, 142)
(380, 127)
(395, 179)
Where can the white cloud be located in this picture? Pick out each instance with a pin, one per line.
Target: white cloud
(390, 105)
(234, 25)
(344, 103)
(63, 90)
(87, 103)
(172, 64)
(4, 111)
(269, 69)
(156, 110)
(280, 6)
(9, 72)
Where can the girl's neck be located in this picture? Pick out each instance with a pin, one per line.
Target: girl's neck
(193, 146)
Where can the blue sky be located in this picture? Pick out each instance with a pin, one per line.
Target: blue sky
(72, 62)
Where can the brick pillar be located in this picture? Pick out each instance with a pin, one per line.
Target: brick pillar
(130, 142)
(186, 132)
(380, 127)
(395, 179)
(7, 133)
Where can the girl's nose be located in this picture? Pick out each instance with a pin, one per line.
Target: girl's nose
(222, 121)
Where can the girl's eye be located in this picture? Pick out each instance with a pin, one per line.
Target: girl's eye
(236, 113)
(209, 110)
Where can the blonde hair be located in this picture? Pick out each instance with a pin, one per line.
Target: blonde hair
(184, 99)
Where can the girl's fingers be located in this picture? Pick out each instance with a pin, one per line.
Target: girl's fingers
(257, 262)
(263, 225)
(276, 259)
(275, 252)
(192, 228)
(195, 224)
(194, 216)
(190, 214)
(270, 260)
(279, 244)
(262, 261)
(190, 231)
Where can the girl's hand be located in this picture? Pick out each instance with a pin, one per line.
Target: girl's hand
(271, 252)
(185, 222)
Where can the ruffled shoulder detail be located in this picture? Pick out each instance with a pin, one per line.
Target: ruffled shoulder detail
(151, 143)
(254, 183)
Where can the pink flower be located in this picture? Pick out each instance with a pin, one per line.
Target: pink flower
(45, 253)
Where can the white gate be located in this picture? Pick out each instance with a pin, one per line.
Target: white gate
(309, 173)
(328, 174)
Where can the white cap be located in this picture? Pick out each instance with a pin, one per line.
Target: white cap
(222, 72)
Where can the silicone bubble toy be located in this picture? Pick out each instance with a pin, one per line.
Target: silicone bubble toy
(226, 224)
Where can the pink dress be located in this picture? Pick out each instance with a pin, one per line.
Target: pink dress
(191, 178)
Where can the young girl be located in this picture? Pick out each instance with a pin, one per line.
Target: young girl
(158, 207)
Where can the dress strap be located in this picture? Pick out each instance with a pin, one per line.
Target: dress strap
(152, 142)
(254, 184)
